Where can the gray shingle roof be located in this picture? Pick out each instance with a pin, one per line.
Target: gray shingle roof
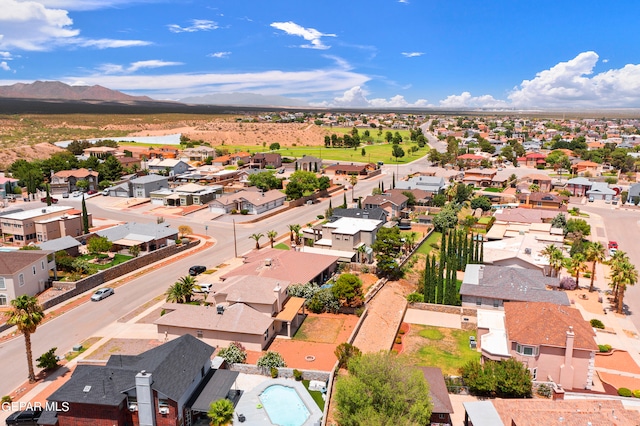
(173, 365)
(375, 213)
(154, 230)
(514, 284)
(58, 244)
(14, 261)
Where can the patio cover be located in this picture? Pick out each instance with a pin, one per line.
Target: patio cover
(217, 388)
(127, 243)
(291, 309)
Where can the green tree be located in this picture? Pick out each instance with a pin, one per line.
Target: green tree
(26, 314)
(85, 216)
(48, 195)
(324, 183)
(48, 360)
(344, 352)
(554, 257)
(348, 288)
(308, 181)
(397, 152)
(481, 202)
(134, 251)
(274, 146)
(220, 412)
(265, 180)
(29, 175)
(595, 253)
(560, 221)
(111, 169)
(623, 274)
(446, 219)
(294, 235)
(257, 237)
(576, 265)
(97, 245)
(235, 353)
(82, 185)
(181, 291)
(272, 236)
(383, 389)
(578, 225)
(270, 360)
(294, 191)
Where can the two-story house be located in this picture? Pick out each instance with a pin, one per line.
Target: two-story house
(265, 160)
(393, 204)
(24, 272)
(42, 224)
(67, 180)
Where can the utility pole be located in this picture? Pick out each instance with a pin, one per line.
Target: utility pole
(235, 243)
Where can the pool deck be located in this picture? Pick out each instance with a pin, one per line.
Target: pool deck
(249, 402)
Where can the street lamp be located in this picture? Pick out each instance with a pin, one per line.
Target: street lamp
(235, 242)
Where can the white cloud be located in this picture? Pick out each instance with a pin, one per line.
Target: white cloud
(86, 4)
(465, 100)
(106, 43)
(219, 54)
(309, 34)
(412, 54)
(403, 1)
(572, 84)
(356, 97)
(135, 66)
(604, 61)
(196, 25)
(4, 66)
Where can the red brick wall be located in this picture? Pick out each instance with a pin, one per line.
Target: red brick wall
(93, 415)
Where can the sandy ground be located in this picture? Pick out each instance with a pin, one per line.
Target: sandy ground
(39, 151)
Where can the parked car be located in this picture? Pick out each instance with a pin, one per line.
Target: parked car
(65, 195)
(105, 192)
(92, 191)
(197, 270)
(101, 294)
(53, 200)
(24, 418)
(612, 244)
(202, 288)
(612, 251)
(591, 198)
(75, 194)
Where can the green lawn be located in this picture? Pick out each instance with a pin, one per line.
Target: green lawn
(484, 220)
(426, 247)
(492, 189)
(446, 348)
(282, 246)
(316, 395)
(117, 259)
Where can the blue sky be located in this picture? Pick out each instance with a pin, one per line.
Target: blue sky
(349, 53)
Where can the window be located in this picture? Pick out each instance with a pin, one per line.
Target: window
(42, 265)
(3, 286)
(534, 373)
(199, 334)
(441, 416)
(526, 350)
(478, 301)
(3, 299)
(21, 279)
(496, 303)
(33, 268)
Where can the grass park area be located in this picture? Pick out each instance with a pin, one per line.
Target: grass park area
(447, 348)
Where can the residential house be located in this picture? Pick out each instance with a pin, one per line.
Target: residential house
(442, 407)
(542, 181)
(376, 213)
(24, 272)
(470, 160)
(235, 159)
(162, 386)
(123, 190)
(167, 167)
(578, 186)
(633, 196)
(480, 177)
(294, 266)
(543, 200)
(67, 180)
(251, 310)
(143, 186)
(562, 351)
(350, 169)
(164, 152)
(199, 153)
(489, 286)
(309, 163)
(601, 191)
(132, 163)
(536, 411)
(433, 184)
(420, 196)
(583, 168)
(147, 236)
(186, 195)
(346, 234)
(265, 160)
(394, 204)
(67, 244)
(41, 224)
(533, 159)
(100, 152)
(253, 201)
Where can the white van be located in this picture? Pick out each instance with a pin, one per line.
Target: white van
(202, 288)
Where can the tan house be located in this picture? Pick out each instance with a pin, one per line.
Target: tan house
(543, 181)
(542, 200)
(480, 177)
(42, 224)
(67, 180)
(24, 272)
(245, 308)
(584, 167)
(254, 202)
(393, 204)
(553, 341)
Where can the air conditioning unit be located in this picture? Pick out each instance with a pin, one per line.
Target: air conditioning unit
(163, 410)
(133, 407)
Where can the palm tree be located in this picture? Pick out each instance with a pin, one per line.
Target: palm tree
(576, 265)
(362, 250)
(257, 238)
(295, 233)
(181, 290)
(623, 274)
(272, 236)
(292, 229)
(594, 253)
(353, 180)
(554, 256)
(26, 314)
(409, 241)
(534, 187)
(220, 412)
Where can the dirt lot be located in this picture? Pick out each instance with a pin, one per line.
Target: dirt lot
(119, 346)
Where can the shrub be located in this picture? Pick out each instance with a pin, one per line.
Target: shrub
(596, 323)
(544, 390)
(344, 352)
(604, 348)
(6, 399)
(234, 211)
(297, 374)
(636, 393)
(271, 359)
(415, 297)
(274, 372)
(178, 241)
(320, 216)
(48, 360)
(625, 392)
(568, 283)
(401, 332)
(587, 275)
(364, 269)
(398, 340)
(235, 353)
(244, 211)
(359, 311)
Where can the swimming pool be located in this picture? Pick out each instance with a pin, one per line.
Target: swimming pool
(284, 406)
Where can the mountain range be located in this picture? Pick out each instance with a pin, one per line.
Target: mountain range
(55, 90)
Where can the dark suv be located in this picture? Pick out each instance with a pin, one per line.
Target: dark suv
(197, 270)
(24, 418)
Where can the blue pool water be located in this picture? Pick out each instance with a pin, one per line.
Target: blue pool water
(284, 406)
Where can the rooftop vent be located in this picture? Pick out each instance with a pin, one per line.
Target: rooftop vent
(267, 262)
(86, 388)
(220, 309)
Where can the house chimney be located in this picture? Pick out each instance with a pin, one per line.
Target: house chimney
(566, 369)
(146, 403)
(276, 290)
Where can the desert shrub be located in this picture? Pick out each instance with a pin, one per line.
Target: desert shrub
(234, 211)
(271, 360)
(625, 392)
(48, 360)
(323, 301)
(401, 332)
(604, 348)
(344, 352)
(596, 323)
(303, 290)
(568, 283)
(544, 390)
(6, 399)
(636, 393)
(398, 340)
(364, 269)
(274, 372)
(244, 211)
(359, 311)
(235, 353)
(415, 297)
(297, 374)
(320, 216)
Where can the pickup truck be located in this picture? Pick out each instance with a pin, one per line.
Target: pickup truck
(53, 200)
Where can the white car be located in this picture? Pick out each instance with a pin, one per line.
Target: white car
(202, 288)
(75, 194)
(101, 294)
(612, 251)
